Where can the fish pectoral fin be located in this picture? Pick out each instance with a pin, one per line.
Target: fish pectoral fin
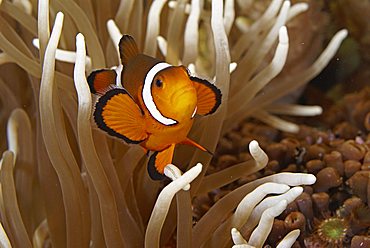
(100, 80)
(117, 114)
(209, 96)
(127, 48)
(158, 161)
(195, 144)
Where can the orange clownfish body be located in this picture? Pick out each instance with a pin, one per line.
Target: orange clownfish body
(154, 107)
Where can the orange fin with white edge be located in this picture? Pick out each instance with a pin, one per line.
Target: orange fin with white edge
(100, 80)
(117, 114)
(195, 144)
(209, 96)
(158, 161)
(127, 48)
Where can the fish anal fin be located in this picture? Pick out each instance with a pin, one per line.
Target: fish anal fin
(100, 80)
(158, 161)
(190, 142)
(117, 114)
(152, 171)
(127, 48)
(209, 96)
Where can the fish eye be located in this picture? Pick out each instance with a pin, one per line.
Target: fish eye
(158, 83)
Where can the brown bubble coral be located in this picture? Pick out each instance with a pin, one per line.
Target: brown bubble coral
(66, 184)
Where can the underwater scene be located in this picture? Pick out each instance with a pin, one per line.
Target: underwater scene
(185, 123)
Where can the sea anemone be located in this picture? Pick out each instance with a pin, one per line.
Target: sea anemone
(65, 184)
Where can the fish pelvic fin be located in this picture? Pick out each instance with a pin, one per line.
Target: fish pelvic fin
(190, 142)
(127, 49)
(158, 161)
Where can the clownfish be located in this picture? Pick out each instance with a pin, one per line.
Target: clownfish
(151, 103)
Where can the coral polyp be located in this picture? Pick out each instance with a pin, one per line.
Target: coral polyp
(333, 231)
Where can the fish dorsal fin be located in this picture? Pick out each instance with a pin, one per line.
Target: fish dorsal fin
(127, 48)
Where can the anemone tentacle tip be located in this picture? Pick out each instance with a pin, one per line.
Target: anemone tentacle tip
(310, 179)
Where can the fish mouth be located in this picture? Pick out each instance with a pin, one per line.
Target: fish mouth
(182, 93)
(184, 101)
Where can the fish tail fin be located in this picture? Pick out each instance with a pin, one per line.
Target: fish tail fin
(100, 80)
(127, 48)
(195, 144)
